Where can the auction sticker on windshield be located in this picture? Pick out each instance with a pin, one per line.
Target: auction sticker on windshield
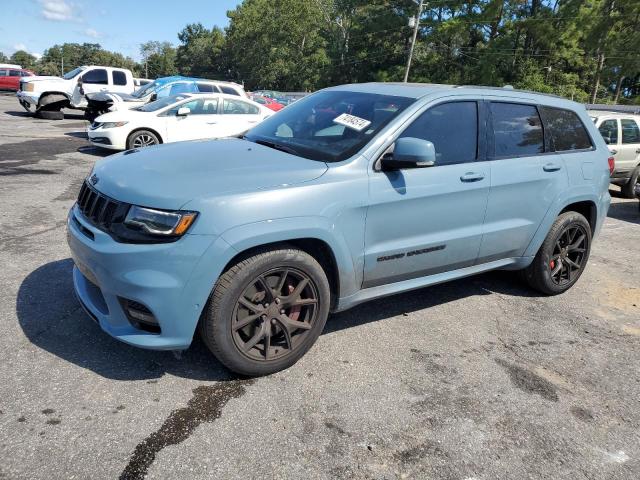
(353, 122)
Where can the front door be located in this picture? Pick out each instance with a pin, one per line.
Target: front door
(424, 221)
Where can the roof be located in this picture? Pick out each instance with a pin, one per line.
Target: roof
(180, 78)
(600, 109)
(419, 90)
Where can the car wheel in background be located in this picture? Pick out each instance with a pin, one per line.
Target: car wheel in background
(266, 311)
(141, 139)
(629, 188)
(562, 257)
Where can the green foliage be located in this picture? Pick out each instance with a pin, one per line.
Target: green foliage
(3, 58)
(24, 59)
(74, 55)
(200, 52)
(158, 59)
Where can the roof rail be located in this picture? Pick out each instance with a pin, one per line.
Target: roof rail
(509, 88)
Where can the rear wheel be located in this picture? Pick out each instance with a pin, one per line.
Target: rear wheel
(629, 188)
(141, 139)
(562, 257)
(266, 311)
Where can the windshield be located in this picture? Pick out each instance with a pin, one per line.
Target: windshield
(73, 73)
(161, 103)
(144, 90)
(329, 126)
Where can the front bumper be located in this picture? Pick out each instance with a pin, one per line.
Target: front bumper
(173, 280)
(32, 98)
(110, 138)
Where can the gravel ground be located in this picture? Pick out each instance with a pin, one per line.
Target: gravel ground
(476, 379)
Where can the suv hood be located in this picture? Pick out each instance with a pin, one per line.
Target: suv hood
(169, 176)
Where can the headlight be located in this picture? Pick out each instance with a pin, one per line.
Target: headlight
(113, 124)
(28, 87)
(159, 222)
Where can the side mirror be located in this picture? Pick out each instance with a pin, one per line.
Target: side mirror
(183, 111)
(410, 152)
(153, 97)
(607, 140)
(80, 80)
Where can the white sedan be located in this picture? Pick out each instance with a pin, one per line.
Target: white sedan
(177, 118)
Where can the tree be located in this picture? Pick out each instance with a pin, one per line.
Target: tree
(158, 59)
(277, 44)
(3, 58)
(24, 59)
(200, 52)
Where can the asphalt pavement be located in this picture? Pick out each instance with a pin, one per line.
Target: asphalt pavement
(480, 378)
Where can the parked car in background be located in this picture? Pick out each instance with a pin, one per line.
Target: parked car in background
(102, 102)
(10, 78)
(50, 94)
(279, 97)
(176, 118)
(270, 103)
(621, 131)
(141, 82)
(254, 241)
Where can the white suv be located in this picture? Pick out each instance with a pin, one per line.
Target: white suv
(621, 131)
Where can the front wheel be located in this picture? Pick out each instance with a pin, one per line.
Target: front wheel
(141, 139)
(266, 311)
(562, 257)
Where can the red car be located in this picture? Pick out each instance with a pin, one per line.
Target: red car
(10, 78)
(270, 103)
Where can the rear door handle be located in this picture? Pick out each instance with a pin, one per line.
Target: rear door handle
(472, 177)
(551, 167)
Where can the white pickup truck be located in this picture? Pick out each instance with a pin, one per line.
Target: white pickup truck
(48, 95)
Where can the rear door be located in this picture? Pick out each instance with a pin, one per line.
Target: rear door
(526, 177)
(120, 81)
(238, 116)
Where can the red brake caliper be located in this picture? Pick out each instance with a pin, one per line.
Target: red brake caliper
(552, 264)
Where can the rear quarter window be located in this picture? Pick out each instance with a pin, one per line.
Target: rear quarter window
(630, 131)
(229, 90)
(566, 129)
(119, 78)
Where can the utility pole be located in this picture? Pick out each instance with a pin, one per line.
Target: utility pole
(413, 40)
(62, 64)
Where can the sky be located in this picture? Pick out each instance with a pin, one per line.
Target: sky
(117, 25)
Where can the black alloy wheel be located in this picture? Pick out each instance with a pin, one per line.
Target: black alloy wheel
(568, 254)
(274, 314)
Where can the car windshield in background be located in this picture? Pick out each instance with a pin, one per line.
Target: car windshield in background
(73, 73)
(161, 103)
(329, 126)
(142, 91)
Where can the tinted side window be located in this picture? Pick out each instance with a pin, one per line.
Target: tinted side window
(236, 107)
(630, 131)
(229, 90)
(179, 88)
(14, 73)
(119, 78)
(453, 130)
(566, 129)
(98, 76)
(205, 87)
(4, 73)
(517, 130)
(609, 131)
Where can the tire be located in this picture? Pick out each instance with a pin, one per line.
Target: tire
(141, 139)
(226, 310)
(543, 274)
(628, 189)
(50, 114)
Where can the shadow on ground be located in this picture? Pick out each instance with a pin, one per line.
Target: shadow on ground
(628, 211)
(24, 113)
(53, 320)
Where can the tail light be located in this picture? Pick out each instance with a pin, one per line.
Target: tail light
(612, 165)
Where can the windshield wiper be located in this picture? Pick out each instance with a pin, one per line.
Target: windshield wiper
(275, 146)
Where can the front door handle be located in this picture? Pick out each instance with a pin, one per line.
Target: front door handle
(551, 167)
(615, 152)
(472, 177)
(212, 123)
(637, 150)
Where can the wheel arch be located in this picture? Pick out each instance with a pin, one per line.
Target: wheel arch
(586, 208)
(318, 249)
(45, 95)
(139, 129)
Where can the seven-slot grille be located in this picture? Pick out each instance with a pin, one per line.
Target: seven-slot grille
(99, 209)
